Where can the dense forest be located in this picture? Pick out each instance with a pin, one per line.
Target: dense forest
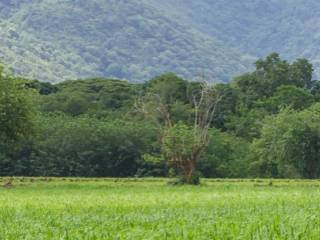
(266, 124)
(134, 40)
(52, 40)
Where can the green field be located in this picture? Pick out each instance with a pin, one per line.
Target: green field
(150, 209)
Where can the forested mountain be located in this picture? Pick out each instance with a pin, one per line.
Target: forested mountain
(56, 40)
(257, 27)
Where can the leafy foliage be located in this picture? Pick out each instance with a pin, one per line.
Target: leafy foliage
(226, 156)
(289, 144)
(266, 124)
(16, 111)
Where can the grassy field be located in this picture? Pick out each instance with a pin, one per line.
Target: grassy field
(149, 209)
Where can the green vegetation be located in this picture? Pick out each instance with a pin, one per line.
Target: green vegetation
(149, 209)
(134, 40)
(261, 124)
(16, 110)
(98, 110)
(290, 141)
(254, 27)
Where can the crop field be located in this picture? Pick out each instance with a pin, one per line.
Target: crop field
(45, 208)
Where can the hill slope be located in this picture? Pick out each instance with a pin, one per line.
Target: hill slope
(257, 27)
(55, 40)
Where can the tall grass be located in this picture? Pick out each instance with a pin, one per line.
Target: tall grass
(149, 209)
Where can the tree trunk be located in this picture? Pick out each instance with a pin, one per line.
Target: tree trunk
(188, 172)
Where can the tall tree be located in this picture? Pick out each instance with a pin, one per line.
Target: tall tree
(182, 143)
(16, 110)
(289, 145)
(301, 72)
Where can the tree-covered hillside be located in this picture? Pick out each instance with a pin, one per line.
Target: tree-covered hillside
(138, 39)
(256, 27)
(55, 40)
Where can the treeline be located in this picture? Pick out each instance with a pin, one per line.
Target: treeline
(267, 124)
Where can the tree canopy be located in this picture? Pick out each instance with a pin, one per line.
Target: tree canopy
(265, 124)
